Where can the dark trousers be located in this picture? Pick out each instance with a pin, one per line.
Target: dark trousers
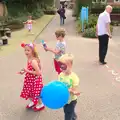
(103, 46)
(69, 111)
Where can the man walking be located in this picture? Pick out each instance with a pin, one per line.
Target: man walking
(103, 32)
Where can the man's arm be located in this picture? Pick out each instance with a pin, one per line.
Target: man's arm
(108, 29)
(97, 30)
(108, 21)
(97, 27)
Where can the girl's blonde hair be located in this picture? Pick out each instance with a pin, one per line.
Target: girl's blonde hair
(34, 52)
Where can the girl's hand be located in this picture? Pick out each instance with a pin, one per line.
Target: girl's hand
(21, 72)
(26, 70)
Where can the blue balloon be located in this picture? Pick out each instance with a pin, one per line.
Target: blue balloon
(55, 95)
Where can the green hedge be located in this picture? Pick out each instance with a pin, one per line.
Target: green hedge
(92, 21)
(49, 10)
(18, 11)
(14, 25)
(97, 8)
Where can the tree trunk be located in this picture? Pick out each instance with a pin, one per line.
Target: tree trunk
(3, 9)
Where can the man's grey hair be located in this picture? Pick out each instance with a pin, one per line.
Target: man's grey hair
(108, 6)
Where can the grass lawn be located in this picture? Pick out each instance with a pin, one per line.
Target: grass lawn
(22, 35)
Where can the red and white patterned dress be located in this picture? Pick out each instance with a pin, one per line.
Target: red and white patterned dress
(32, 85)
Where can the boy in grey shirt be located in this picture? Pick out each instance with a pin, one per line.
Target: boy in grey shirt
(60, 48)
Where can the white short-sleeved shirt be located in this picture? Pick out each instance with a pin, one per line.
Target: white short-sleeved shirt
(103, 19)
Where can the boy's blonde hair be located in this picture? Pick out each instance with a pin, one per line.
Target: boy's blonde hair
(60, 32)
(66, 58)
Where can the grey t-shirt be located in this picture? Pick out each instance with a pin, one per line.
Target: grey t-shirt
(60, 46)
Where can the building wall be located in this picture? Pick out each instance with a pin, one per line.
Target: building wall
(110, 1)
(57, 3)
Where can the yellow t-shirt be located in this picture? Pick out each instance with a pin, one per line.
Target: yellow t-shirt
(71, 81)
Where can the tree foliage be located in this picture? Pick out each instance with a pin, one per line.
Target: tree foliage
(29, 2)
(30, 5)
(80, 3)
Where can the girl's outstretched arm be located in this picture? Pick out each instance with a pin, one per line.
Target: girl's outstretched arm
(25, 22)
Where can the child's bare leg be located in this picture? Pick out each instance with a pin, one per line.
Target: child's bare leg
(30, 31)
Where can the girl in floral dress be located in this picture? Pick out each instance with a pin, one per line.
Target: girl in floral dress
(33, 79)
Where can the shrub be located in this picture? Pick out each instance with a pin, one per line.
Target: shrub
(115, 23)
(37, 13)
(78, 26)
(92, 21)
(50, 10)
(14, 25)
(98, 5)
(89, 28)
(89, 32)
(111, 28)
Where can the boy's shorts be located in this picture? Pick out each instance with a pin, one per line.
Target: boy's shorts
(57, 67)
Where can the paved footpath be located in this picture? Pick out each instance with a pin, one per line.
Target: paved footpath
(100, 95)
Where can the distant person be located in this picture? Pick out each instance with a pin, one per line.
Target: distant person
(103, 32)
(61, 12)
(29, 24)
